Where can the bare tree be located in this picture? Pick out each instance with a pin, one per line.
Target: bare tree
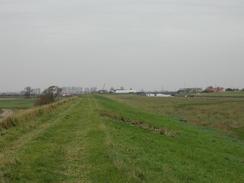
(51, 94)
(27, 91)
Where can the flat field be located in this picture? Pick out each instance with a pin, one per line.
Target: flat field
(223, 94)
(224, 113)
(10, 105)
(110, 140)
(16, 103)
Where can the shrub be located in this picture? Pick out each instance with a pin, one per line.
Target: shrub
(45, 99)
(49, 95)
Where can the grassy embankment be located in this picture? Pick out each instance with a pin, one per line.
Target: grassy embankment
(224, 113)
(96, 139)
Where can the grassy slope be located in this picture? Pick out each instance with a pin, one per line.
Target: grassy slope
(226, 114)
(76, 144)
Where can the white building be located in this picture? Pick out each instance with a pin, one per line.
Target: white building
(123, 91)
(157, 95)
(162, 95)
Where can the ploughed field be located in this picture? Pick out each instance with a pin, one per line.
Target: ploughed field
(116, 139)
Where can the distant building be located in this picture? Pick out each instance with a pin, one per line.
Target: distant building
(162, 95)
(123, 91)
(67, 91)
(102, 91)
(211, 89)
(157, 95)
(151, 94)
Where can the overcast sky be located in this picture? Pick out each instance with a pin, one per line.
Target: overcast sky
(150, 44)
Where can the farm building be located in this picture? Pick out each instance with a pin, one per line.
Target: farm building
(214, 89)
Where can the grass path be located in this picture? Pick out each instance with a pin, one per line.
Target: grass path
(38, 154)
(76, 144)
(59, 148)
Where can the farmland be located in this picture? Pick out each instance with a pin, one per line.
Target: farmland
(223, 94)
(223, 113)
(9, 105)
(16, 103)
(108, 139)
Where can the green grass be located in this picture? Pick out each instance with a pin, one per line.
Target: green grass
(16, 103)
(76, 143)
(224, 113)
